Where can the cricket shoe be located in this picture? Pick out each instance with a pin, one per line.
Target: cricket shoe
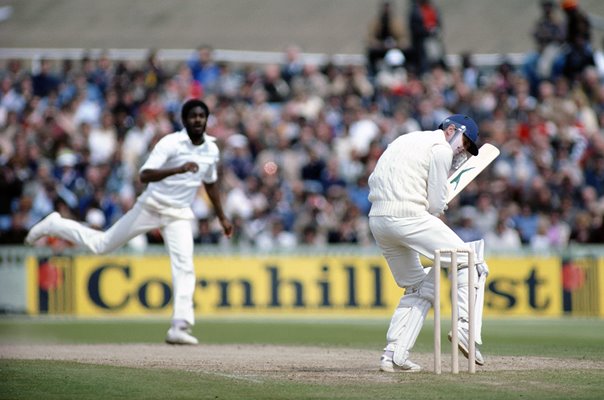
(462, 344)
(387, 365)
(180, 335)
(42, 228)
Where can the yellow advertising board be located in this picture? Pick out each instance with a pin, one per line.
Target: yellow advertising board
(600, 287)
(238, 285)
(275, 285)
(524, 286)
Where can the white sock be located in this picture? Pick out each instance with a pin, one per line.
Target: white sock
(180, 324)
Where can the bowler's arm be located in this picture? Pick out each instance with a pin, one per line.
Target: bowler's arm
(214, 195)
(154, 175)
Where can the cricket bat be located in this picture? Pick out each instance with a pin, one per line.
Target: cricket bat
(471, 169)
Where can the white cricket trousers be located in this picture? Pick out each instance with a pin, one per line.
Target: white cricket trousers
(178, 239)
(402, 240)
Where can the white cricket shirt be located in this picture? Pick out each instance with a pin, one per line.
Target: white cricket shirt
(175, 194)
(410, 178)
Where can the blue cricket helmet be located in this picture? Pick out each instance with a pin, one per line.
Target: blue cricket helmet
(469, 127)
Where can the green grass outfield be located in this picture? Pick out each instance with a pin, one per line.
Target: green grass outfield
(574, 338)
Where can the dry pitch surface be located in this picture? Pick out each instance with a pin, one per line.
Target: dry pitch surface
(257, 363)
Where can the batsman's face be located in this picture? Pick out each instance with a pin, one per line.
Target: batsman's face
(196, 121)
(459, 144)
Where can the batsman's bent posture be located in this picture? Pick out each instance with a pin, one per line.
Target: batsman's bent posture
(174, 171)
(408, 191)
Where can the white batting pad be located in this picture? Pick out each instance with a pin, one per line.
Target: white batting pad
(478, 247)
(406, 324)
(462, 301)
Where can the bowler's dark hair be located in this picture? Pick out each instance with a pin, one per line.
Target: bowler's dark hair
(190, 104)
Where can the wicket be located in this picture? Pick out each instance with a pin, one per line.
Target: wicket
(454, 311)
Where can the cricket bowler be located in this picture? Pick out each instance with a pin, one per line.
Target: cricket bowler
(408, 192)
(175, 169)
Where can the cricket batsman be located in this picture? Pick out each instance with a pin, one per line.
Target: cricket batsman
(408, 192)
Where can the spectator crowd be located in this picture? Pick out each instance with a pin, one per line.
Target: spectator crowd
(299, 141)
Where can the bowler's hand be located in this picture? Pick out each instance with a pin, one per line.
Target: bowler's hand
(227, 227)
(189, 167)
